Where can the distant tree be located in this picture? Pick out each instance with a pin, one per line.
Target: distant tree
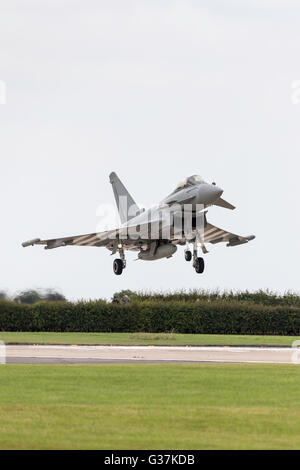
(53, 296)
(3, 295)
(33, 296)
(119, 295)
(28, 297)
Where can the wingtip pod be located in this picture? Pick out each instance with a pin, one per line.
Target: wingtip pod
(30, 242)
(240, 240)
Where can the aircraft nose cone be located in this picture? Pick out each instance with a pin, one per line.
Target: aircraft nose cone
(208, 193)
(217, 191)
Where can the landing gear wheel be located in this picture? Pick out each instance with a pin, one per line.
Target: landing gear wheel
(118, 266)
(199, 265)
(188, 255)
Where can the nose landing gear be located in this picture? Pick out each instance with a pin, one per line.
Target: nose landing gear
(119, 263)
(118, 266)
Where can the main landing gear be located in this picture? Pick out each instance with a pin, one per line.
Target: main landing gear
(198, 262)
(119, 263)
(199, 265)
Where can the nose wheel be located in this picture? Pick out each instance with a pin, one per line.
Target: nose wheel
(188, 255)
(118, 266)
(119, 263)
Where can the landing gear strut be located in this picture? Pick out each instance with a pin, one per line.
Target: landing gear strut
(198, 263)
(119, 263)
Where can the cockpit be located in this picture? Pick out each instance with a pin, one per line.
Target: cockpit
(189, 181)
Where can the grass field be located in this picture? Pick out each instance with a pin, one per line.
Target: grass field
(167, 339)
(178, 406)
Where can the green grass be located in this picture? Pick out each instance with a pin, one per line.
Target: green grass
(145, 339)
(177, 406)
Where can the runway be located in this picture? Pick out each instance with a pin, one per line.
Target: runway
(46, 354)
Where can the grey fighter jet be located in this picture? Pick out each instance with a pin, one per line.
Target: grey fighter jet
(180, 219)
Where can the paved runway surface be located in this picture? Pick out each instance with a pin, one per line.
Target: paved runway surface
(26, 354)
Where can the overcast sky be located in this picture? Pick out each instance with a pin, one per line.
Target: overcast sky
(155, 91)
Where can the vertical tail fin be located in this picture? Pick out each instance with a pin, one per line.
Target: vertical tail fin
(126, 205)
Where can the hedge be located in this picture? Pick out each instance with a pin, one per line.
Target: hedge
(220, 317)
(259, 297)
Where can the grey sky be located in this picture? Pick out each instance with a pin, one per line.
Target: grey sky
(154, 90)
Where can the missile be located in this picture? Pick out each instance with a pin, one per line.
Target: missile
(237, 241)
(54, 244)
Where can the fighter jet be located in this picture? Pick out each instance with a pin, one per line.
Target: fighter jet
(179, 219)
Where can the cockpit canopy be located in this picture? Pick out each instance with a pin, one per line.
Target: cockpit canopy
(189, 181)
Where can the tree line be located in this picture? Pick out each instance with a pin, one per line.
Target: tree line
(33, 296)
